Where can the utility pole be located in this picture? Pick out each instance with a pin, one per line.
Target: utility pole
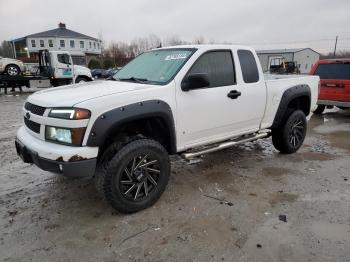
(335, 46)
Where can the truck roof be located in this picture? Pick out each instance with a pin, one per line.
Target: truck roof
(210, 47)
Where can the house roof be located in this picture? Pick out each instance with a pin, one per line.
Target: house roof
(283, 51)
(61, 31)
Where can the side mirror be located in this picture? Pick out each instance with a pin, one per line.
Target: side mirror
(195, 81)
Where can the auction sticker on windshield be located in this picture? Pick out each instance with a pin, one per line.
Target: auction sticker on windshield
(176, 56)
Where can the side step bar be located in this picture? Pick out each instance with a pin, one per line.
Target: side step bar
(223, 145)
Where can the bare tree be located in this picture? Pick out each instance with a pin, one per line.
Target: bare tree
(339, 54)
(199, 40)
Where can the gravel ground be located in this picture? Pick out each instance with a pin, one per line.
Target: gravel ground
(226, 206)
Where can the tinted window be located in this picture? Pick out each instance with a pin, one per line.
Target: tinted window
(249, 67)
(219, 67)
(63, 58)
(333, 71)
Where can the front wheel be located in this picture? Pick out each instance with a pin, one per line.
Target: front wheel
(289, 137)
(80, 80)
(136, 176)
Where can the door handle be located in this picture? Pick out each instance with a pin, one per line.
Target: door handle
(233, 94)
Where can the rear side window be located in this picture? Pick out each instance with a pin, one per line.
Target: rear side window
(333, 71)
(248, 65)
(219, 67)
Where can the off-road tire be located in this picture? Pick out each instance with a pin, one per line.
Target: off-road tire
(289, 137)
(319, 110)
(111, 174)
(10, 68)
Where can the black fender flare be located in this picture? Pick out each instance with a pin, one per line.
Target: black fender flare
(110, 120)
(289, 95)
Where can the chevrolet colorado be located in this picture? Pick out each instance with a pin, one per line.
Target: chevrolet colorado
(187, 100)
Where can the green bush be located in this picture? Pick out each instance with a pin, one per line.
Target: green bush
(107, 63)
(94, 63)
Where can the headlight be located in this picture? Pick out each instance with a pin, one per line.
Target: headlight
(73, 136)
(70, 113)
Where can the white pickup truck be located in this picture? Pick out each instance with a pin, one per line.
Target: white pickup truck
(187, 100)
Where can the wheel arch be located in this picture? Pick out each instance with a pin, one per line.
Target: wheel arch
(296, 97)
(84, 77)
(152, 118)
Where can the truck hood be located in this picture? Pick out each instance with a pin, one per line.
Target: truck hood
(67, 96)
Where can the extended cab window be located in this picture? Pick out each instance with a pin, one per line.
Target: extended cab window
(64, 59)
(219, 67)
(249, 67)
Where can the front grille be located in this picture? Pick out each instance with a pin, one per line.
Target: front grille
(35, 127)
(37, 110)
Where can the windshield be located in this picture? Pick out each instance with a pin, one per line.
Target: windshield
(334, 71)
(157, 67)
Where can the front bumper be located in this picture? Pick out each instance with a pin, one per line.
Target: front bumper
(333, 103)
(67, 160)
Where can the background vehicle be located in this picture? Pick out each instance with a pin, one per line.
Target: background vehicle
(278, 65)
(188, 100)
(11, 67)
(98, 73)
(55, 68)
(103, 73)
(111, 72)
(335, 83)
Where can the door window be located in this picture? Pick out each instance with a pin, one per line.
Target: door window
(64, 59)
(219, 67)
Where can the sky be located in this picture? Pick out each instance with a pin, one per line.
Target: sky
(263, 24)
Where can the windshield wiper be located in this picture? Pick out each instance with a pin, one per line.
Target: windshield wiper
(134, 79)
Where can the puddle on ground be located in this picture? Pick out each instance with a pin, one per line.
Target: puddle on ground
(276, 171)
(340, 139)
(314, 156)
(278, 197)
(310, 156)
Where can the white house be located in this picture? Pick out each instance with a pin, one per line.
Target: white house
(79, 45)
(305, 58)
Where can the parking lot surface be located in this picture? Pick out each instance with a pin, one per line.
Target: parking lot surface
(247, 203)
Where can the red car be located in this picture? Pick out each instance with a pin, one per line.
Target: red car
(335, 83)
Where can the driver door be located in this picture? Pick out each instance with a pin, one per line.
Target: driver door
(224, 109)
(64, 66)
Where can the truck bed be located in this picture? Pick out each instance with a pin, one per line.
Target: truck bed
(277, 84)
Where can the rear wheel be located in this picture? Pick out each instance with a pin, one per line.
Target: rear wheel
(319, 110)
(289, 137)
(12, 70)
(136, 176)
